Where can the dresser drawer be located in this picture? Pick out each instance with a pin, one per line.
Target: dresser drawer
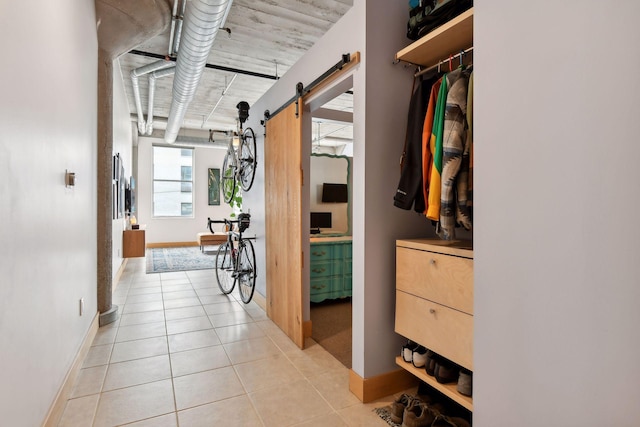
(326, 269)
(446, 331)
(444, 279)
(326, 251)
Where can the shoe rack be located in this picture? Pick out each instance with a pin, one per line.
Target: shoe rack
(434, 304)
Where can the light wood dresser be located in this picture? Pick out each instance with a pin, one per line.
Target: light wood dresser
(434, 304)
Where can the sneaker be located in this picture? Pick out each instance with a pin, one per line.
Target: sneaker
(418, 414)
(397, 408)
(419, 357)
(407, 351)
(465, 381)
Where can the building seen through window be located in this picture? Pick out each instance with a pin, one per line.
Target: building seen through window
(172, 182)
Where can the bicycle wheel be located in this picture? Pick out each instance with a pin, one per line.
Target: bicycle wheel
(224, 268)
(246, 271)
(228, 177)
(248, 159)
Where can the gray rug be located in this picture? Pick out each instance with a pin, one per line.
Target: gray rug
(163, 260)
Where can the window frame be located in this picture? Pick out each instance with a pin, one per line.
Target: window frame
(183, 183)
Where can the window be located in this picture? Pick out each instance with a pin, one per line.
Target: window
(185, 176)
(172, 182)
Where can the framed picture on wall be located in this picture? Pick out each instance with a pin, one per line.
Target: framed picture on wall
(214, 187)
(121, 186)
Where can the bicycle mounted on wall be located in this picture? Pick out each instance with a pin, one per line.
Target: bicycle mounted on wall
(236, 260)
(239, 166)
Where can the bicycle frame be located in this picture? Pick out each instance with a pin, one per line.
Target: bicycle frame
(237, 264)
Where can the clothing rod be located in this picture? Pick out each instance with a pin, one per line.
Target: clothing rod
(444, 61)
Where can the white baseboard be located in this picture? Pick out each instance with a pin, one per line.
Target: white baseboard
(58, 405)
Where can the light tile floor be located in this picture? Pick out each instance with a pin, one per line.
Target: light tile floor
(184, 354)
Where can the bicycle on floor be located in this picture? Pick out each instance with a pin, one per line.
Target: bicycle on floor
(239, 166)
(235, 260)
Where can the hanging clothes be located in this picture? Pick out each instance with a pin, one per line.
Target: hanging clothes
(433, 203)
(470, 136)
(455, 157)
(409, 192)
(427, 148)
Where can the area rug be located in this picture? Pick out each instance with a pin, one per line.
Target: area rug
(385, 411)
(163, 260)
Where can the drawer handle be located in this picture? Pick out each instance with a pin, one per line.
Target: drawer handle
(318, 270)
(433, 261)
(432, 310)
(319, 253)
(318, 287)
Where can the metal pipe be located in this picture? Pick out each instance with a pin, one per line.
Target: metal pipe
(445, 61)
(211, 66)
(224, 92)
(136, 87)
(202, 20)
(174, 18)
(152, 90)
(178, 36)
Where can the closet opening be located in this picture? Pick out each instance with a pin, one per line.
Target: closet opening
(328, 136)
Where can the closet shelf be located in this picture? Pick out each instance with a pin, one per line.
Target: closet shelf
(450, 38)
(449, 390)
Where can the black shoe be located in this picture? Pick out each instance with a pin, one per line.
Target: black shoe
(430, 364)
(446, 371)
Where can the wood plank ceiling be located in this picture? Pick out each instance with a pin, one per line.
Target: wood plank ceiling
(266, 37)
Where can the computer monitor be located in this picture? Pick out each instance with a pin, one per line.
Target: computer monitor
(320, 220)
(335, 193)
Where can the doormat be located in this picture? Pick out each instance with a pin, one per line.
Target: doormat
(163, 260)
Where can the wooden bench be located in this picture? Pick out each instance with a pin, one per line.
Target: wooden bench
(206, 238)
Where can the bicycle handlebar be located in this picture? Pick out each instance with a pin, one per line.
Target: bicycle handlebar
(230, 222)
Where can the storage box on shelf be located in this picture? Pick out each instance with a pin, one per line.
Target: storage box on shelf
(434, 304)
(330, 268)
(448, 39)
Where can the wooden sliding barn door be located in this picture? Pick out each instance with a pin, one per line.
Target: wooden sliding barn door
(283, 206)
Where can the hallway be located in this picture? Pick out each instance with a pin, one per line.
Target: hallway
(184, 354)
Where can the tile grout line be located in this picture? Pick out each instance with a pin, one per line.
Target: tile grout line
(173, 385)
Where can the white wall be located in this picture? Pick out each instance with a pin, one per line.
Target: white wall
(163, 230)
(557, 263)
(333, 170)
(122, 144)
(48, 115)
(377, 29)
(342, 38)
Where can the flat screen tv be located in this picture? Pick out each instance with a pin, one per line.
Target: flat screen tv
(320, 220)
(334, 193)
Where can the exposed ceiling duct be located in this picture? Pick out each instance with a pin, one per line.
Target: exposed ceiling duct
(136, 87)
(202, 20)
(152, 90)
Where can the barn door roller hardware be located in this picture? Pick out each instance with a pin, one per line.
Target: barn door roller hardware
(302, 90)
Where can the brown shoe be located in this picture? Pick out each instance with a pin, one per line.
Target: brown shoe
(443, 421)
(418, 414)
(397, 408)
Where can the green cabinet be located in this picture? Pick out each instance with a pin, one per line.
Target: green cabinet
(330, 269)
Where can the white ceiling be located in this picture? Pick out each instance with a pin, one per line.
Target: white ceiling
(266, 37)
